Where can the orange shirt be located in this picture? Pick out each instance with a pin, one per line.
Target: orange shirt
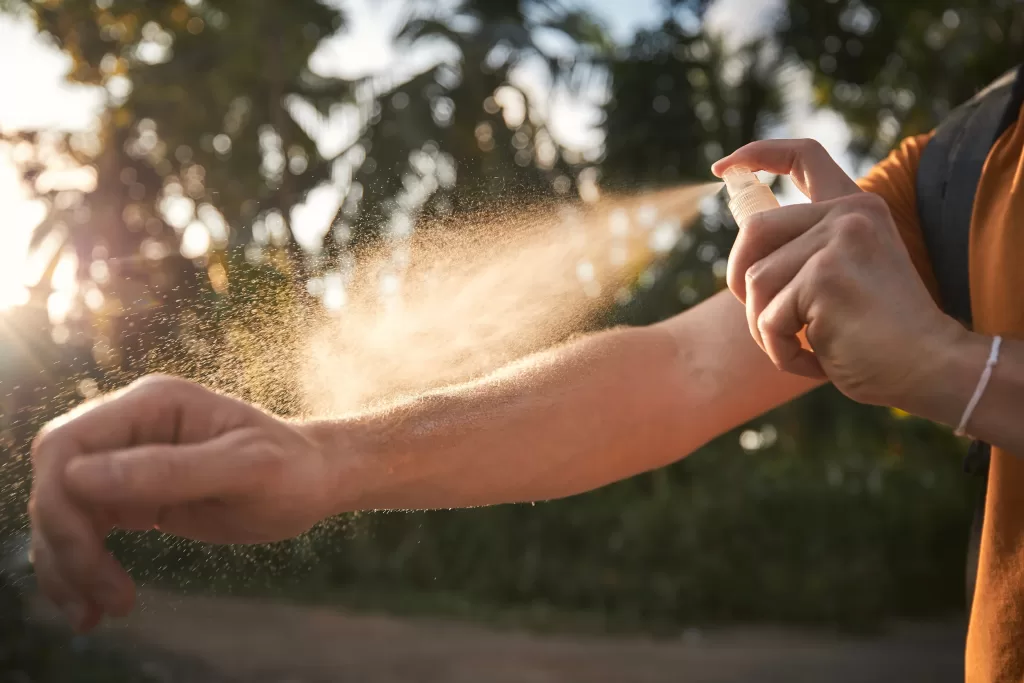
(995, 639)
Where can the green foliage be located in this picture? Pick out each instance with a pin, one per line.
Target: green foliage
(448, 140)
(671, 114)
(894, 69)
(214, 81)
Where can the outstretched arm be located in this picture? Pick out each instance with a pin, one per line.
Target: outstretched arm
(169, 454)
(566, 421)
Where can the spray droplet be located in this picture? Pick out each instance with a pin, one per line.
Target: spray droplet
(646, 215)
(619, 222)
(665, 236)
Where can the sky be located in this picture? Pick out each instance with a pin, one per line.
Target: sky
(36, 96)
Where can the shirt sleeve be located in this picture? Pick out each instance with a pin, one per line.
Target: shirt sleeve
(894, 180)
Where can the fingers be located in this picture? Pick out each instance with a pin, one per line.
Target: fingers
(780, 323)
(151, 410)
(134, 517)
(766, 278)
(767, 232)
(73, 568)
(813, 171)
(159, 475)
(113, 589)
(80, 613)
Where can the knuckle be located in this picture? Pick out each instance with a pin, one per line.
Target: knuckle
(784, 363)
(826, 270)
(735, 282)
(854, 227)
(856, 239)
(66, 544)
(274, 466)
(810, 146)
(119, 475)
(766, 325)
(43, 500)
(755, 280)
(164, 386)
(270, 459)
(47, 440)
(735, 274)
(754, 275)
(871, 202)
(123, 476)
(755, 225)
(155, 382)
(33, 505)
(39, 442)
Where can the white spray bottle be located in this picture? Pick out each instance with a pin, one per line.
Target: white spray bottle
(747, 194)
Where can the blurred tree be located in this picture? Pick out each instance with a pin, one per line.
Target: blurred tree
(894, 69)
(207, 87)
(679, 99)
(196, 147)
(464, 130)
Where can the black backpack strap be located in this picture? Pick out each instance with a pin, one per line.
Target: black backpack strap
(947, 181)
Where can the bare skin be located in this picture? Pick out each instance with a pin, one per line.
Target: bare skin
(171, 454)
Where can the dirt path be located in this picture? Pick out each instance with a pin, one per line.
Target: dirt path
(248, 640)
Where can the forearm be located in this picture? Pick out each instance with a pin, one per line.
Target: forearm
(589, 413)
(556, 424)
(946, 391)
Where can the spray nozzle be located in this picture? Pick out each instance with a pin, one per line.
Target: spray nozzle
(738, 178)
(747, 194)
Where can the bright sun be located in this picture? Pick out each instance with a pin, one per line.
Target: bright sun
(35, 96)
(20, 216)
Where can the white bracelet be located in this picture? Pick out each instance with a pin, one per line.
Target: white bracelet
(986, 375)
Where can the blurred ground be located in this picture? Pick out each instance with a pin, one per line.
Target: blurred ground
(217, 640)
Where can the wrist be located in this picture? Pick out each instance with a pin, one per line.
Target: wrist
(348, 473)
(951, 368)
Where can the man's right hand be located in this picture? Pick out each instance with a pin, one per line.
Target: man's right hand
(838, 268)
(163, 453)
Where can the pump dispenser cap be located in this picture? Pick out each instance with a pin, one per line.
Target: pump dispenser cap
(747, 194)
(738, 179)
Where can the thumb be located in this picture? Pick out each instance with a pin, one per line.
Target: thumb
(814, 172)
(163, 474)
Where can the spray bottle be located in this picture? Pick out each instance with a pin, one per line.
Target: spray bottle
(747, 194)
